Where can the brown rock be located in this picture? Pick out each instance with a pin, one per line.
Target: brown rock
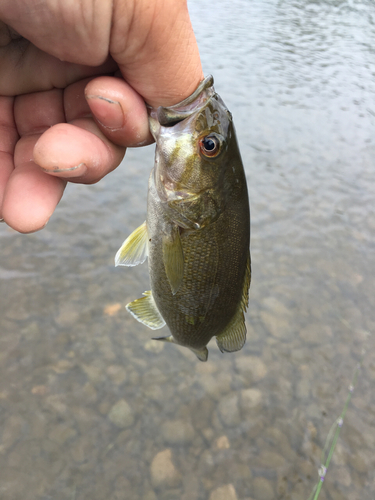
(163, 472)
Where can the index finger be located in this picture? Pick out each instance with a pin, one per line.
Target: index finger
(8, 139)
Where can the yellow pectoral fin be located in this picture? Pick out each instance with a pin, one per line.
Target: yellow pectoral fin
(145, 311)
(134, 249)
(173, 258)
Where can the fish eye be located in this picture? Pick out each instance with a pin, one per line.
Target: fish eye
(210, 146)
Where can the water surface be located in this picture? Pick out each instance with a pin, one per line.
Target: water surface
(90, 408)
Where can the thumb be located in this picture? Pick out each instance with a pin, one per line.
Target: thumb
(156, 49)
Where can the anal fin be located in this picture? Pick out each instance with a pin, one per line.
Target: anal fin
(134, 249)
(145, 311)
(201, 354)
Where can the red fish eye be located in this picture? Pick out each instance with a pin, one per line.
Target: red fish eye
(210, 146)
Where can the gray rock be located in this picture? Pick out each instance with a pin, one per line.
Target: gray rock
(359, 463)
(251, 367)
(315, 334)
(150, 495)
(61, 433)
(154, 346)
(121, 414)
(163, 472)
(117, 373)
(270, 459)
(251, 400)
(216, 385)
(262, 489)
(278, 326)
(177, 432)
(228, 410)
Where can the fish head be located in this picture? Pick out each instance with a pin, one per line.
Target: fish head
(193, 144)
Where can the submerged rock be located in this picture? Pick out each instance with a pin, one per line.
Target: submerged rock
(177, 432)
(121, 414)
(226, 492)
(163, 472)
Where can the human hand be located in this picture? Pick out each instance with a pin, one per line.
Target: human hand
(58, 121)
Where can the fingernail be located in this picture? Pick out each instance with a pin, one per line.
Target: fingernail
(76, 171)
(108, 113)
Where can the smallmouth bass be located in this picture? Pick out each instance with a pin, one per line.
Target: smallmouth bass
(197, 232)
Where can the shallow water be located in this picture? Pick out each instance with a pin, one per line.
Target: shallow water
(90, 408)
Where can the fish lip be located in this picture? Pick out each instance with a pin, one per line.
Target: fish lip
(165, 118)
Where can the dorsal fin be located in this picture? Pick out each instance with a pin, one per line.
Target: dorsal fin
(233, 337)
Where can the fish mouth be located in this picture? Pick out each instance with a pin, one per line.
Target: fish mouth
(169, 116)
(164, 117)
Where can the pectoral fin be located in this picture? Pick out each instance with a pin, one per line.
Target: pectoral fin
(173, 258)
(134, 249)
(145, 311)
(233, 337)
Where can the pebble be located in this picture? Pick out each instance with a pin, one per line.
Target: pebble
(359, 462)
(56, 404)
(163, 472)
(12, 430)
(206, 368)
(67, 315)
(279, 327)
(251, 400)
(61, 433)
(226, 492)
(340, 475)
(149, 495)
(303, 388)
(270, 459)
(117, 374)
(222, 443)
(177, 432)
(228, 410)
(251, 367)
(262, 489)
(121, 414)
(154, 346)
(62, 366)
(93, 372)
(276, 318)
(81, 449)
(315, 334)
(216, 386)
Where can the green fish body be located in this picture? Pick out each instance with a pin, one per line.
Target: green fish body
(197, 232)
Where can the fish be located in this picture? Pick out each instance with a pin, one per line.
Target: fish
(197, 232)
